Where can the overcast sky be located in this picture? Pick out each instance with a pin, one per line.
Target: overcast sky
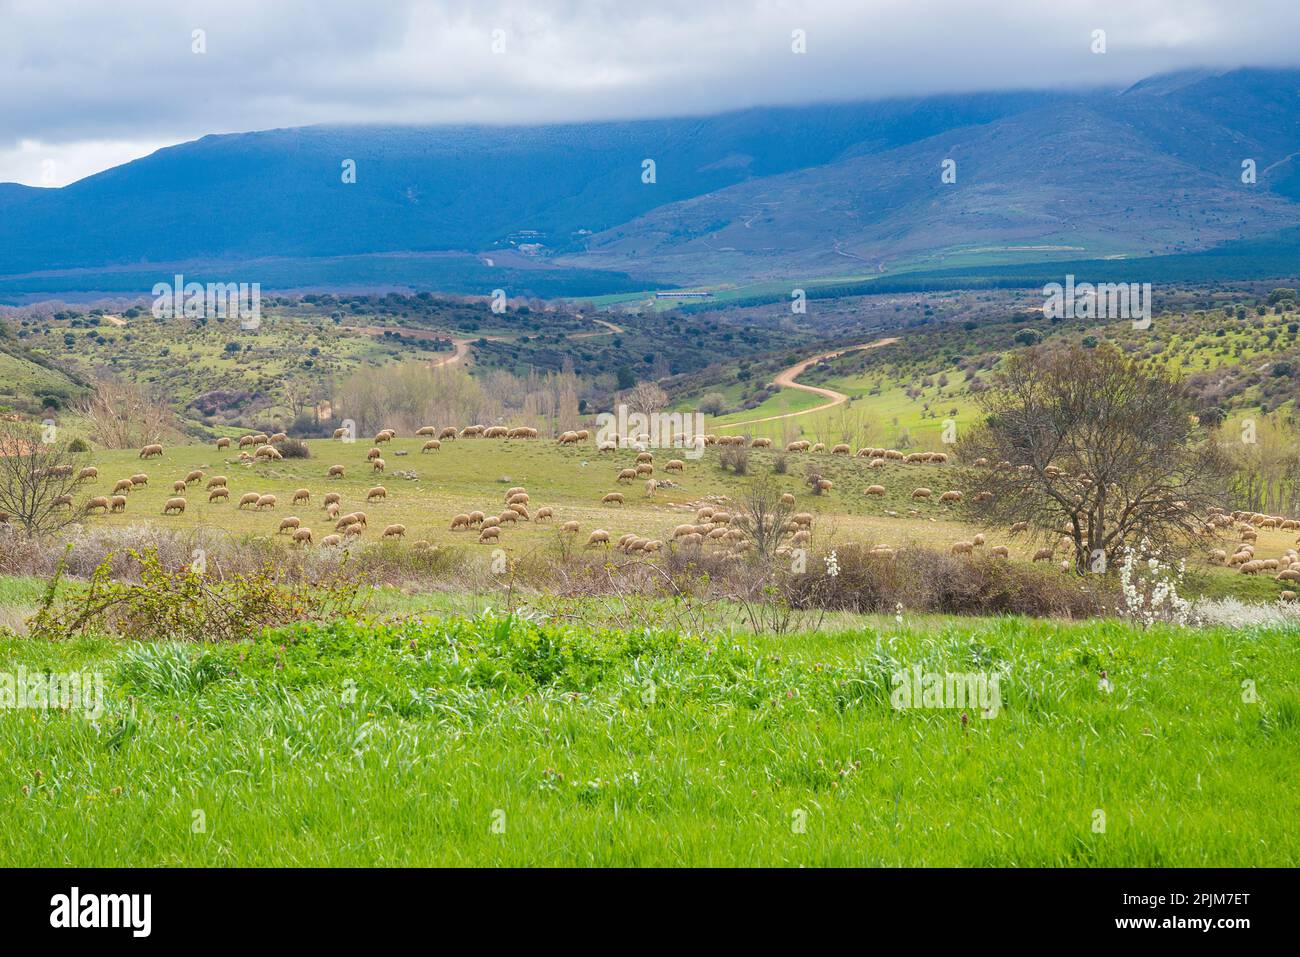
(86, 86)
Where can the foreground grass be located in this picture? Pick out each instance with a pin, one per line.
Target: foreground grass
(493, 741)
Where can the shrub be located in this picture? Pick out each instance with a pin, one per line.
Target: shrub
(736, 458)
(294, 449)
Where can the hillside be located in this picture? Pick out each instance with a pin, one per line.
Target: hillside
(764, 193)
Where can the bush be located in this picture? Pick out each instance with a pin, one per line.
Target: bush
(736, 458)
(78, 446)
(294, 449)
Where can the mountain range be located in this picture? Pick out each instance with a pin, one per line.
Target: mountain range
(760, 194)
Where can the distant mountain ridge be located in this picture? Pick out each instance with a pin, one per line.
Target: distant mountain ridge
(758, 193)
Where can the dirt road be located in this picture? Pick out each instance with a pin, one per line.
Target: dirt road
(786, 380)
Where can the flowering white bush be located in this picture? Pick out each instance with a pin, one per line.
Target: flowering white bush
(1234, 613)
(833, 564)
(1150, 590)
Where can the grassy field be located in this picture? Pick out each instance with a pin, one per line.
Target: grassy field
(502, 742)
(470, 474)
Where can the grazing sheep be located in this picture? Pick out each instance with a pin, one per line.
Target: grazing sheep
(570, 527)
(217, 481)
(1000, 551)
(118, 503)
(841, 449)
(818, 447)
(627, 475)
(963, 548)
(332, 498)
(1219, 556)
(825, 485)
(598, 537)
(490, 534)
(425, 430)
(248, 498)
(266, 501)
(123, 485)
(360, 518)
(384, 436)
(761, 444)
(377, 492)
(301, 495)
(378, 465)
(63, 501)
(1019, 527)
(341, 433)
(99, 501)
(433, 445)
(139, 479)
(89, 472)
(329, 541)
(982, 497)
(336, 471)
(875, 490)
(302, 536)
(460, 521)
(267, 452)
(1287, 596)
(613, 498)
(356, 528)
(373, 454)
(650, 487)
(978, 540)
(178, 486)
(645, 468)
(345, 521)
(675, 465)
(332, 509)
(545, 512)
(288, 523)
(149, 451)
(218, 493)
(447, 433)
(223, 443)
(394, 531)
(1043, 555)
(568, 438)
(518, 498)
(787, 498)
(509, 515)
(246, 440)
(644, 457)
(476, 518)
(803, 519)
(921, 493)
(176, 505)
(951, 496)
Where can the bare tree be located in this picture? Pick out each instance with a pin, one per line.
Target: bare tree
(122, 416)
(1090, 444)
(763, 516)
(646, 398)
(38, 477)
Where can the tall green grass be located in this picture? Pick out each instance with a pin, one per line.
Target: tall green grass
(496, 741)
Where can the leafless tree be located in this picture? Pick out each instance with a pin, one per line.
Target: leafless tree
(38, 476)
(1090, 444)
(646, 398)
(763, 516)
(123, 416)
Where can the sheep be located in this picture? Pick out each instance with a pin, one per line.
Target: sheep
(336, 471)
(476, 518)
(218, 493)
(377, 492)
(597, 537)
(447, 433)
(545, 512)
(491, 521)
(924, 493)
(801, 537)
(1000, 551)
(963, 548)
(345, 521)
(568, 438)
(394, 531)
(1287, 596)
(223, 443)
(490, 534)
(1019, 527)
(825, 485)
(248, 498)
(645, 468)
(803, 519)
(99, 501)
(460, 521)
(509, 515)
(761, 444)
(518, 498)
(286, 524)
(1219, 556)
(139, 479)
(570, 527)
(951, 496)
(330, 541)
(63, 501)
(627, 475)
(217, 481)
(703, 514)
(496, 432)
(644, 457)
(267, 452)
(613, 498)
(302, 495)
(279, 437)
(332, 509)
(1044, 555)
(178, 486)
(875, 490)
(356, 528)
(386, 435)
(841, 449)
(818, 447)
(245, 440)
(89, 472)
(122, 485)
(118, 503)
(378, 465)
(724, 518)
(266, 501)
(1287, 576)
(433, 445)
(149, 451)
(675, 465)
(978, 540)
(787, 498)
(373, 454)
(331, 498)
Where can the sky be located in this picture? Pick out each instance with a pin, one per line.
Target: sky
(87, 86)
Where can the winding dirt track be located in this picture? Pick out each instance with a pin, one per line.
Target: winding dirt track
(786, 380)
(462, 345)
